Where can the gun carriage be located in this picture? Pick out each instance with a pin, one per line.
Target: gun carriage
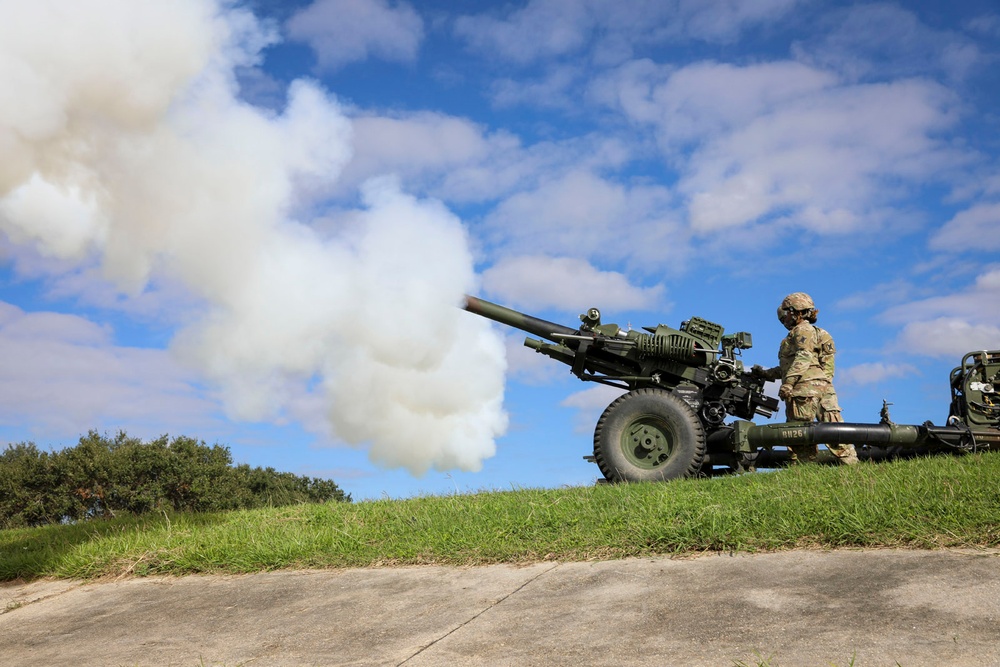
(681, 385)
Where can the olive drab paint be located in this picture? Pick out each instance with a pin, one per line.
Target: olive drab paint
(690, 400)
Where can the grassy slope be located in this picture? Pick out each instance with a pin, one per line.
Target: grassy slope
(924, 503)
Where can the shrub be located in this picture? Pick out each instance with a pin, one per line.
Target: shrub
(103, 477)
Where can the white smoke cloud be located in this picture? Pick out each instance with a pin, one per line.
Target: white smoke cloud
(125, 142)
(61, 220)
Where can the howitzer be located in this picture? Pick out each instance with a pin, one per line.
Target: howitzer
(683, 384)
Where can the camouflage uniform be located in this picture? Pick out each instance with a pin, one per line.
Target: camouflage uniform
(805, 368)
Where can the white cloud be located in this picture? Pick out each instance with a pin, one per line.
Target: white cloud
(979, 302)
(985, 24)
(723, 20)
(879, 296)
(991, 184)
(544, 29)
(555, 90)
(769, 149)
(949, 326)
(455, 159)
(428, 150)
(883, 40)
(162, 301)
(536, 282)
(701, 100)
(578, 203)
(975, 229)
(346, 31)
(830, 159)
(527, 365)
(948, 337)
(873, 373)
(782, 139)
(580, 213)
(590, 404)
(63, 375)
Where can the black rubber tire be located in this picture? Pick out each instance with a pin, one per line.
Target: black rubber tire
(674, 438)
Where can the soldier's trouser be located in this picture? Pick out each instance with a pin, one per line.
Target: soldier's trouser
(820, 405)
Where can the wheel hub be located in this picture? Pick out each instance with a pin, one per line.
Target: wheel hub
(647, 442)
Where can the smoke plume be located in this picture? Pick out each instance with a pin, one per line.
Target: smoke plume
(124, 141)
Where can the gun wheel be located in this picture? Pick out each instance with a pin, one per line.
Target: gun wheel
(648, 435)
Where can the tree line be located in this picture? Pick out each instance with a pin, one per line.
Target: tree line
(103, 477)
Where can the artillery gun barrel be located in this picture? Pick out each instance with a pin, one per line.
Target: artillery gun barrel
(512, 318)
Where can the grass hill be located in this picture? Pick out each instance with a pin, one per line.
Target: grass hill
(933, 502)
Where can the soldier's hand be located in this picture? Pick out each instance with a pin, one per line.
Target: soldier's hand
(757, 371)
(785, 392)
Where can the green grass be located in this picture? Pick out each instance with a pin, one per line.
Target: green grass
(922, 503)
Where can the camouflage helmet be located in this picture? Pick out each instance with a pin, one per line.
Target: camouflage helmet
(798, 301)
(795, 302)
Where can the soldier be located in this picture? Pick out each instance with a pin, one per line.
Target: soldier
(805, 368)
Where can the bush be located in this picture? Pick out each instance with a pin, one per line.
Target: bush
(32, 491)
(103, 477)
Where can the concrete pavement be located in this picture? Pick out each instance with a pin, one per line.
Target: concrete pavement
(883, 607)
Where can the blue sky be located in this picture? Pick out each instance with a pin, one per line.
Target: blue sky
(251, 223)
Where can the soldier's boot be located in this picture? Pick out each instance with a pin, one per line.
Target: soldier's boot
(802, 454)
(846, 455)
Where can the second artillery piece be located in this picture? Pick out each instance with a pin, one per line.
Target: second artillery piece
(683, 384)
